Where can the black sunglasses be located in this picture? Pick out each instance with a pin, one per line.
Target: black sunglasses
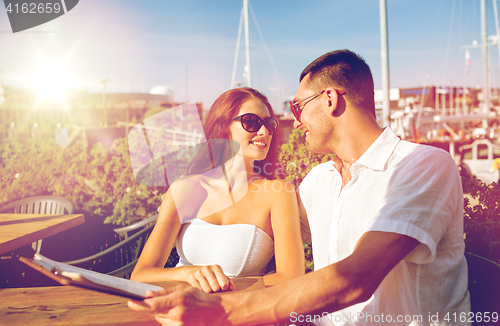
(252, 123)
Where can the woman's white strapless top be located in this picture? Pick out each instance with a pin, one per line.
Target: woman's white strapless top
(239, 249)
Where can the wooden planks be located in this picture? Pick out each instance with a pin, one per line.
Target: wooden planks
(18, 230)
(66, 305)
(69, 305)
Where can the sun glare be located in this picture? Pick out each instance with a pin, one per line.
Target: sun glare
(52, 83)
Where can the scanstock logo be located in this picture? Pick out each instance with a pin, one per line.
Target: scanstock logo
(25, 14)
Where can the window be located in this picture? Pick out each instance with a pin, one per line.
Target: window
(496, 152)
(467, 154)
(482, 152)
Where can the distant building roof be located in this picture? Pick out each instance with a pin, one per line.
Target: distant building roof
(121, 97)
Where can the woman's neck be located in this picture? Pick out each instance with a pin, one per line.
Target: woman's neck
(240, 171)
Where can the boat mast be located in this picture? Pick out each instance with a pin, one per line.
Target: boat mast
(486, 87)
(496, 25)
(247, 44)
(246, 71)
(384, 45)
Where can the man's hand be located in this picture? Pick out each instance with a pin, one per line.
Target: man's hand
(183, 305)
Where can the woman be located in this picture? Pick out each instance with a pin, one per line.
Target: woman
(228, 219)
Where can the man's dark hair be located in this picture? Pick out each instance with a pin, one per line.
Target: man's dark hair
(346, 71)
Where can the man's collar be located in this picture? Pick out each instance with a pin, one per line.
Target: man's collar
(377, 155)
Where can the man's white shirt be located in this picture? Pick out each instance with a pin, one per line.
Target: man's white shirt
(404, 188)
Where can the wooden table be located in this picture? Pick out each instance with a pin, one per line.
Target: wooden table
(18, 230)
(70, 305)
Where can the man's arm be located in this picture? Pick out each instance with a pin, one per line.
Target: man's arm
(332, 288)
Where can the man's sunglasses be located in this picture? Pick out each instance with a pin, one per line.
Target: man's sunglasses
(297, 110)
(252, 123)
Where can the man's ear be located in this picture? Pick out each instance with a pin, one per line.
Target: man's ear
(331, 95)
(335, 106)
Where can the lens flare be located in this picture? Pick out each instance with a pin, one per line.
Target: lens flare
(52, 83)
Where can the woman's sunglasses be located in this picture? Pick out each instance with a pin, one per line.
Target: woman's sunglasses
(252, 123)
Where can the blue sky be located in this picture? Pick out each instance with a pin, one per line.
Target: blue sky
(190, 44)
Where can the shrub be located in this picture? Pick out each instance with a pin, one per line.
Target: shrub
(42, 167)
(118, 196)
(482, 220)
(99, 185)
(296, 161)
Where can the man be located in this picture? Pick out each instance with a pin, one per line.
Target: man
(385, 218)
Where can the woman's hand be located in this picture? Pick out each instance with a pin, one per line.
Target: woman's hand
(158, 209)
(209, 278)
